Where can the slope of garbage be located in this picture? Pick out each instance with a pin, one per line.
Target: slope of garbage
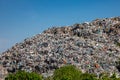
(93, 47)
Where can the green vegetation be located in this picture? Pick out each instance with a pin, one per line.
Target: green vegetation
(22, 75)
(67, 72)
(87, 76)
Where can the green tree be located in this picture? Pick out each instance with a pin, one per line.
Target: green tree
(22, 75)
(68, 72)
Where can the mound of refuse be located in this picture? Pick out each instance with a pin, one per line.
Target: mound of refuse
(92, 47)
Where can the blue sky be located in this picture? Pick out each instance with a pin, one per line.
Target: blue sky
(20, 19)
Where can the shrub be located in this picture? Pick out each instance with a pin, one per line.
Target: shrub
(49, 78)
(87, 76)
(68, 72)
(22, 75)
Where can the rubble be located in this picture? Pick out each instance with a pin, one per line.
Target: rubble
(89, 46)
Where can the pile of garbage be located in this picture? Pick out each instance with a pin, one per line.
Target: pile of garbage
(92, 47)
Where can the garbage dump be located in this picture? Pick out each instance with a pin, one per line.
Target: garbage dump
(91, 46)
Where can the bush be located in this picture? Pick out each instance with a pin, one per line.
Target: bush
(68, 72)
(22, 75)
(87, 76)
(49, 78)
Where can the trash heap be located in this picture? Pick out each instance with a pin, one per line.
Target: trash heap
(92, 47)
